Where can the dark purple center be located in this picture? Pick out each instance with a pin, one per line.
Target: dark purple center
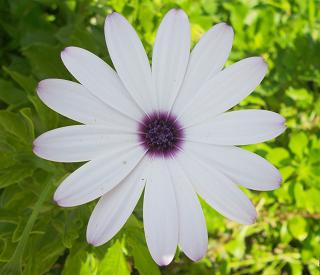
(161, 134)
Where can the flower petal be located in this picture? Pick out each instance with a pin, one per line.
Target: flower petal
(241, 166)
(224, 90)
(170, 56)
(115, 207)
(160, 213)
(82, 142)
(100, 79)
(97, 177)
(206, 60)
(217, 189)
(130, 60)
(238, 128)
(193, 236)
(74, 101)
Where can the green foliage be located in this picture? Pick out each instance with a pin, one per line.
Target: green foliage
(38, 237)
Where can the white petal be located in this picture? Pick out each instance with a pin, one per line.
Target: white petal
(217, 189)
(238, 128)
(115, 207)
(206, 60)
(241, 166)
(160, 213)
(74, 101)
(170, 56)
(130, 60)
(193, 236)
(82, 142)
(100, 79)
(97, 177)
(225, 90)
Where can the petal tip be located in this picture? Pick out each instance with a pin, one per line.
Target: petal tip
(90, 235)
(276, 184)
(258, 61)
(178, 12)
(282, 119)
(58, 201)
(199, 257)
(283, 126)
(55, 201)
(111, 16)
(40, 86)
(62, 203)
(66, 51)
(226, 26)
(35, 148)
(252, 220)
(279, 181)
(283, 123)
(264, 63)
(63, 54)
(175, 10)
(164, 260)
(92, 242)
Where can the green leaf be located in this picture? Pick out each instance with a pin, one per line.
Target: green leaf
(236, 248)
(301, 97)
(277, 155)
(298, 228)
(77, 262)
(14, 266)
(139, 251)
(312, 200)
(298, 143)
(284, 234)
(15, 174)
(114, 262)
(27, 83)
(18, 125)
(45, 61)
(48, 119)
(10, 94)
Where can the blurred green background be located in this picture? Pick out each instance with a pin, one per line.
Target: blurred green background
(38, 237)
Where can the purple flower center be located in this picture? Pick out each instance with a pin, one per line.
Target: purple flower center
(161, 134)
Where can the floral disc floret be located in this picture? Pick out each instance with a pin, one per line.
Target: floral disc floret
(161, 134)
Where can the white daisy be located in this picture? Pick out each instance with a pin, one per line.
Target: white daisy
(162, 130)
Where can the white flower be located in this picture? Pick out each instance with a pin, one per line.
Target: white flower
(162, 130)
